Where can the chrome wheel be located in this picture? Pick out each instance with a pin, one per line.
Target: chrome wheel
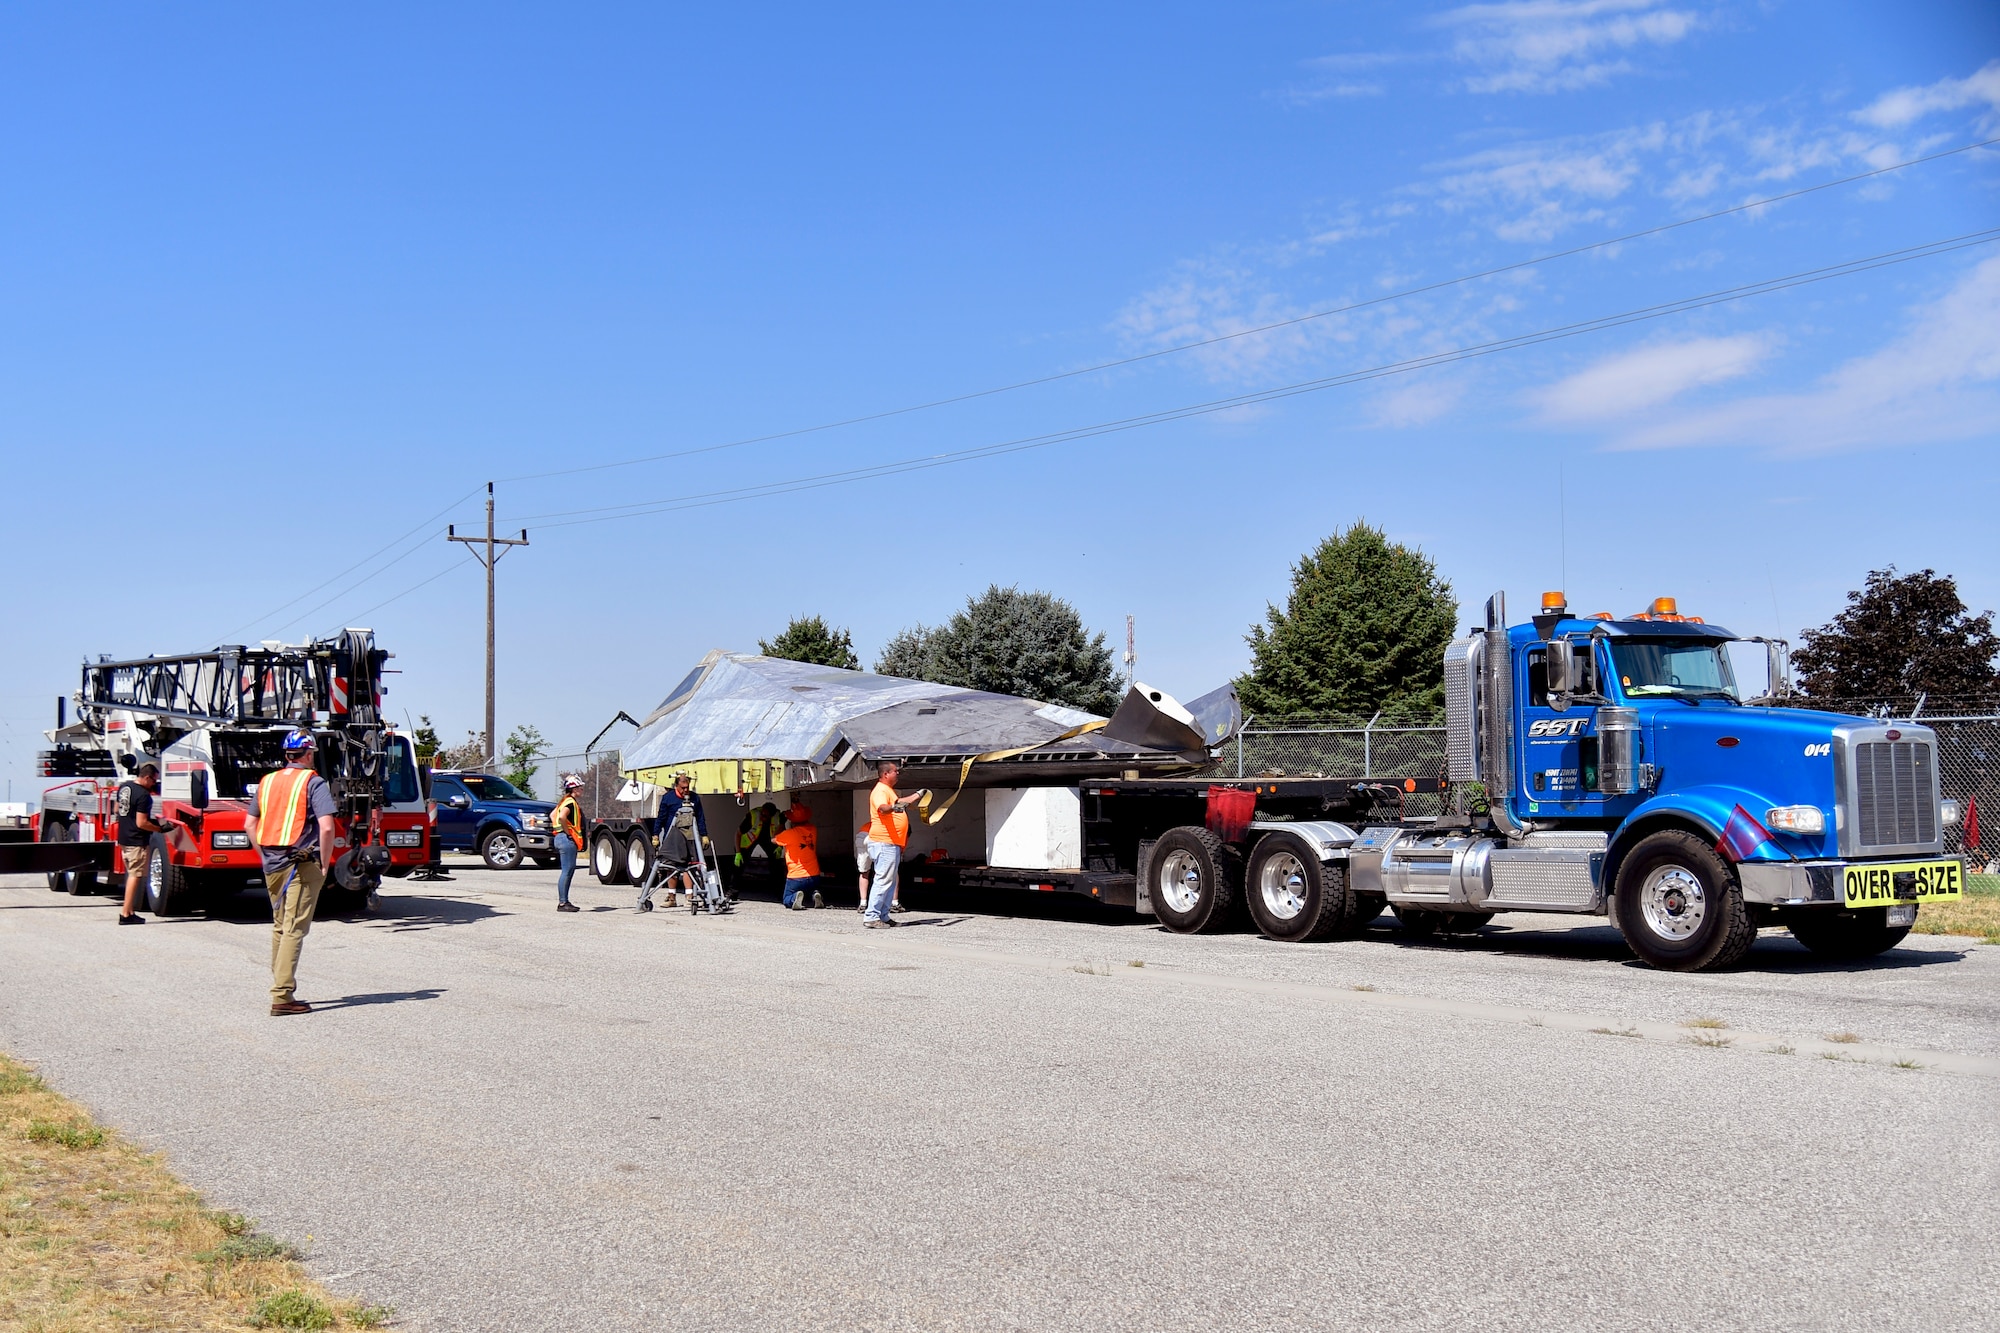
(502, 851)
(1179, 881)
(1673, 902)
(1282, 882)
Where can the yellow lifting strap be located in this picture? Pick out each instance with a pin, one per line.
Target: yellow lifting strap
(965, 770)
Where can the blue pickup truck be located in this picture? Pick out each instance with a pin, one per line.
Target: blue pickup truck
(485, 813)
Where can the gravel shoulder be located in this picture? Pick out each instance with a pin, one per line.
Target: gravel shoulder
(501, 1117)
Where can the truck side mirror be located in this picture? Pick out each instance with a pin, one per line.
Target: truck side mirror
(198, 789)
(1560, 665)
(460, 802)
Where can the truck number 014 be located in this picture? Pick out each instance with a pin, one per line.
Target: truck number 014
(1820, 750)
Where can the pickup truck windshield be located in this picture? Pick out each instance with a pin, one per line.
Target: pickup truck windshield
(486, 787)
(1679, 670)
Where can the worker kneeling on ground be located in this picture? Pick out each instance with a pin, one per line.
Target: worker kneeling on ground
(291, 822)
(801, 843)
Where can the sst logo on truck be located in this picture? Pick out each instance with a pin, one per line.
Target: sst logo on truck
(1559, 726)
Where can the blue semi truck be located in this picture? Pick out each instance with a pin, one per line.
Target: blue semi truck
(1609, 766)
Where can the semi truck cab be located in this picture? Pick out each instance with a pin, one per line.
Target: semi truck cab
(1611, 765)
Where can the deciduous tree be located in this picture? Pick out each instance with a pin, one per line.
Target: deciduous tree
(1900, 635)
(525, 751)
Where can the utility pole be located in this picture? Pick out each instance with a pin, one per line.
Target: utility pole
(1131, 654)
(495, 548)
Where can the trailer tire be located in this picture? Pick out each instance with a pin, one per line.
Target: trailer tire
(1425, 922)
(1195, 879)
(1292, 895)
(607, 858)
(57, 830)
(1843, 936)
(638, 857)
(501, 850)
(1680, 907)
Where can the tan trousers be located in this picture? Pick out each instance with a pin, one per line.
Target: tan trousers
(291, 918)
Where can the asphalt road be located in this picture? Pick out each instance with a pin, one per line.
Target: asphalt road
(502, 1118)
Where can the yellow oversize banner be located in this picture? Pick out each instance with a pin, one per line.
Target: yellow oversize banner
(1890, 882)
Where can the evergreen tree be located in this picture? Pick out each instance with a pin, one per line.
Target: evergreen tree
(1365, 628)
(911, 655)
(426, 739)
(1900, 635)
(1011, 642)
(811, 639)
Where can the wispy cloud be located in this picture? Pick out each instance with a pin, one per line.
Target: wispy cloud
(1634, 381)
(1938, 380)
(1905, 106)
(1542, 46)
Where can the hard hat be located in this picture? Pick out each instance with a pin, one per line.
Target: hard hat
(798, 814)
(301, 739)
(571, 782)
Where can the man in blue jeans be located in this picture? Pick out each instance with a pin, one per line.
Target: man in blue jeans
(568, 821)
(888, 831)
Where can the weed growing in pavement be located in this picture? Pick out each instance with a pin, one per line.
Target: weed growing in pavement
(292, 1309)
(1136, 962)
(1836, 1055)
(1714, 1023)
(1780, 1049)
(1616, 1032)
(1904, 1064)
(1844, 1038)
(1362, 985)
(74, 1137)
(1093, 969)
(1711, 1039)
(371, 1316)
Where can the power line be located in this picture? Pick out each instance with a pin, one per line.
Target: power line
(645, 508)
(394, 542)
(1294, 321)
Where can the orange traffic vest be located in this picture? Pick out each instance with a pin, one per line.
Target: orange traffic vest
(569, 819)
(281, 806)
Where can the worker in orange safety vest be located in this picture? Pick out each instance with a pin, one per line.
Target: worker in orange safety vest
(292, 825)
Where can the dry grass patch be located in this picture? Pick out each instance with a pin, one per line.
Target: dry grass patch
(1977, 914)
(95, 1234)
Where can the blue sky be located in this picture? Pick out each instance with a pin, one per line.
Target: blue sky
(280, 289)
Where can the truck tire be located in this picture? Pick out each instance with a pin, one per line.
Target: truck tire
(607, 858)
(500, 849)
(57, 830)
(1195, 878)
(638, 857)
(82, 881)
(1680, 907)
(1838, 934)
(171, 890)
(1292, 896)
(1425, 922)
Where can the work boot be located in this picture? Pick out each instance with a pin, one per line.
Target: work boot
(284, 1007)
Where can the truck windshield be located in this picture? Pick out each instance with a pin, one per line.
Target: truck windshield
(489, 788)
(1683, 670)
(399, 783)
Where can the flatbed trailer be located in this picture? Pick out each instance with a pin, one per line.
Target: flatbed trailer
(1123, 819)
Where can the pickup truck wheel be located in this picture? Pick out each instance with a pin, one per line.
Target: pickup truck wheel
(638, 857)
(1680, 907)
(1293, 896)
(1837, 934)
(500, 849)
(57, 830)
(1194, 878)
(607, 859)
